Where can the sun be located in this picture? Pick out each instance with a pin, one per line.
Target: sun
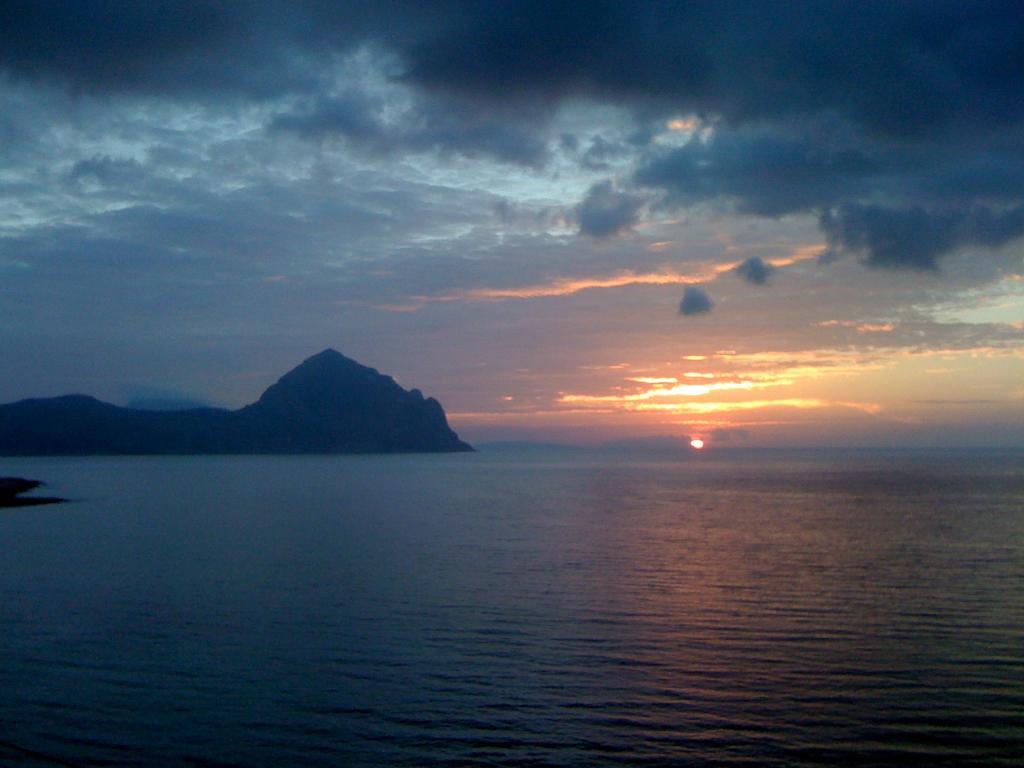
(697, 444)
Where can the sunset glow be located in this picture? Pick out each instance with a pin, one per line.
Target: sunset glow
(574, 261)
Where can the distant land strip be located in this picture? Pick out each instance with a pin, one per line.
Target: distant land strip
(12, 488)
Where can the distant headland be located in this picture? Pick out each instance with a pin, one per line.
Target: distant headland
(327, 404)
(12, 488)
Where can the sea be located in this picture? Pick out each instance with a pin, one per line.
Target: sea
(516, 607)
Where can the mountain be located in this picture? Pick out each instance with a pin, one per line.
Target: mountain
(166, 404)
(328, 404)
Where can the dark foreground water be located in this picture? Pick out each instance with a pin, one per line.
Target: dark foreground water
(516, 610)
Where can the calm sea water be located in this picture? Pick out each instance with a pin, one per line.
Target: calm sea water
(515, 609)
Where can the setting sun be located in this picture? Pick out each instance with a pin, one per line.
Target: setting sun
(697, 444)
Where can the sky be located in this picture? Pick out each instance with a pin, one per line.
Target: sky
(792, 223)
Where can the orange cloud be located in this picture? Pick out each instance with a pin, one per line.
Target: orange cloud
(749, 405)
(678, 390)
(803, 253)
(688, 124)
(654, 380)
(660, 246)
(859, 327)
(565, 286)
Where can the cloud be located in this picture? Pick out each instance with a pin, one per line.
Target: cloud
(896, 204)
(197, 50)
(892, 68)
(914, 238)
(601, 152)
(106, 170)
(695, 301)
(895, 68)
(770, 172)
(755, 270)
(606, 211)
(807, 105)
(417, 124)
(159, 47)
(827, 106)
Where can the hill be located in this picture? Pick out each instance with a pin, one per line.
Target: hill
(327, 404)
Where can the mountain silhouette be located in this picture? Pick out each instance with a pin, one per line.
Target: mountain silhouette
(328, 404)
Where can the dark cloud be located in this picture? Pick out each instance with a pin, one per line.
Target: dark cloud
(897, 204)
(353, 115)
(913, 91)
(916, 237)
(695, 301)
(433, 123)
(606, 211)
(157, 47)
(601, 152)
(567, 141)
(898, 125)
(766, 171)
(899, 68)
(896, 68)
(811, 105)
(106, 171)
(197, 49)
(755, 270)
